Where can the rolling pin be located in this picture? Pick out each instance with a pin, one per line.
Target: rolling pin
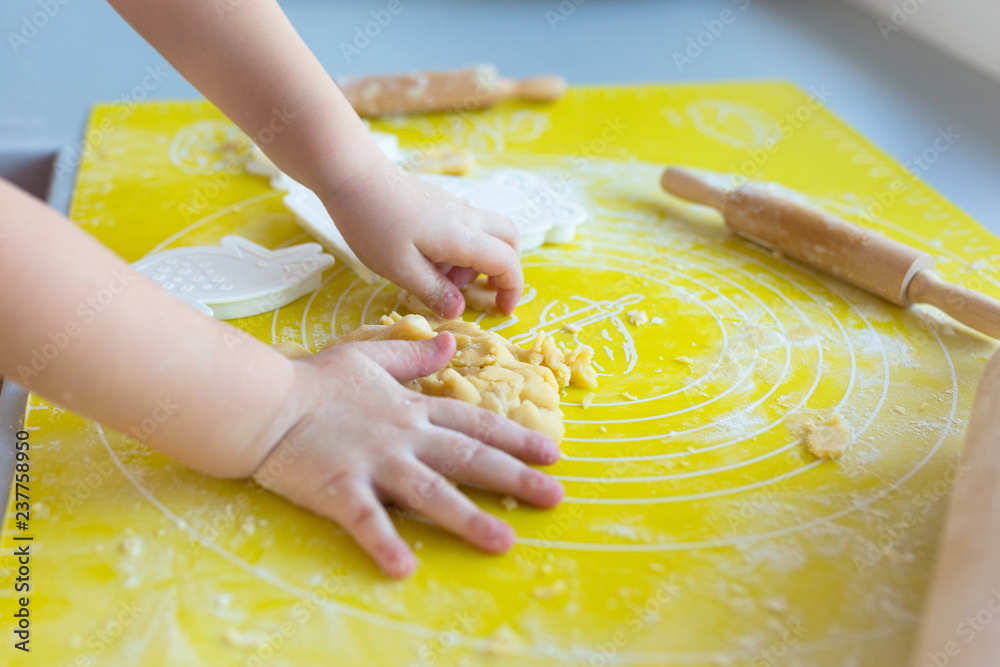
(422, 92)
(887, 268)
(961, 625)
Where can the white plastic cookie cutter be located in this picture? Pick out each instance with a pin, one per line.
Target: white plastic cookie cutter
(237, 278)
(541, 214)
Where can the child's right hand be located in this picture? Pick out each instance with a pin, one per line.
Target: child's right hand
(424, 239)
(360, 438)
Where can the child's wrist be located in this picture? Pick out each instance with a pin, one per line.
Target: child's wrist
(282, 407)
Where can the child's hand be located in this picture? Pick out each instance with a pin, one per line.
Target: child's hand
(424, 239)
(363, 439)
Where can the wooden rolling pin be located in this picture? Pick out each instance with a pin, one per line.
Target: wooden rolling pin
(961, 626)
(421, 92)
(887, 268)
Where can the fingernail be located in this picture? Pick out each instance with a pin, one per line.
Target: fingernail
(451, 302)
(399, 563)
(499, 536)
(440, 340)
(549, 451)
(535, 480)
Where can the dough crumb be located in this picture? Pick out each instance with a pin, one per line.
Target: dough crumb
(899, 409)
(238, 639)
(445, 160)
(776, 604)
(221, 601)
(637, 317)
(248, 527)
(131, 546)
(548, 568)
(684, 360)
(656, 319)
(604, 429)
(588, 400)
(509, 503)
(629, 396)
(924, 406)
(830, 438)
(549, 591)
(571, 327)
(896, 557)
(503, 642)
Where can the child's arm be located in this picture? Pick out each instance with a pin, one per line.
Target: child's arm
(335, 434)
(246, 57)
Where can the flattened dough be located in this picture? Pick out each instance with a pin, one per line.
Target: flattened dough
(487, 370)
(830, 438)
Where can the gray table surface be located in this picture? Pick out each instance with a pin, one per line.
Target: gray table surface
(898, 92)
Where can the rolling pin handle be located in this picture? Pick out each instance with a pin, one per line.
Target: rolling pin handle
(688, 185)
(536, 88)
(969, 307)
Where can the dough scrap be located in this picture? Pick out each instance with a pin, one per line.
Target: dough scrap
(637, 317)
(487, 370)
(830, 438)
(444, 160)
(479, 295)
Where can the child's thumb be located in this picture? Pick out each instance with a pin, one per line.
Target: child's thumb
(408, 360)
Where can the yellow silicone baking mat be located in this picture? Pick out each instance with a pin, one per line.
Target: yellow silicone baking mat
(697, 530)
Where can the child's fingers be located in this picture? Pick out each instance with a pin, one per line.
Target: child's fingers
(422, 277)
(469, 461)
(494, 258)
(352, 503)
(461, 276)
(492, 429)
(503, 228)
(408, 360)
(486, 254)
(413, 485)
